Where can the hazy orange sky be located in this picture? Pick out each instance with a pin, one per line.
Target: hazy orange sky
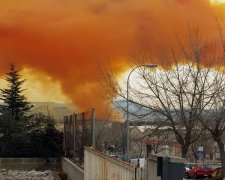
(66, 40)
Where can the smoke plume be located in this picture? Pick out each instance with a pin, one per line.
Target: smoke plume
(68, 39)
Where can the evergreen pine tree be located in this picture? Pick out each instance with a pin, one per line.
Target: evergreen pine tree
(22, 135)
(13, 101)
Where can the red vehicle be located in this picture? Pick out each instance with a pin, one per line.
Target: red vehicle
(199, 171)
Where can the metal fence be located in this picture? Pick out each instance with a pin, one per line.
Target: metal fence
(79, 130)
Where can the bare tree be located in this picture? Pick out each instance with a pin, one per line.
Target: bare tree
(213, 115)
(213, 118)
(157, 139)
(160, 139)
(137, 143)
(108, 134)
(189, 94)
(178, 93)
(205, 141)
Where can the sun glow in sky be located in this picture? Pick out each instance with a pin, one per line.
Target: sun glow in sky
(40, 87)
(67, 40)
(218, 1)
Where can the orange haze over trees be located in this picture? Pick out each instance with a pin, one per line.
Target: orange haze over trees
(68, 39)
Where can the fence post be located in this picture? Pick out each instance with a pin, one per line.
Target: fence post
(93, 127)
(74, 135)
(64, 137)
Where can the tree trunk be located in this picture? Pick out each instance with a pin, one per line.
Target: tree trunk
(184, 151)
(222, 154)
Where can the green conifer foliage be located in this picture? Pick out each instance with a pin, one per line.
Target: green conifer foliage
(14, 102)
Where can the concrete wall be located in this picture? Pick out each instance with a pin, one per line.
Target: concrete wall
(151, 168)
(72, 170)
(98, 166)
(29, 163)
(169, 168)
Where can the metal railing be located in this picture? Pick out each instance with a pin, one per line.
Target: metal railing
(79, 131)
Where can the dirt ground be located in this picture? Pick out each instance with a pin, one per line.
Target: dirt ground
(25, 175)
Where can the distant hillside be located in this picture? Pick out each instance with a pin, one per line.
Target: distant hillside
(57, 110)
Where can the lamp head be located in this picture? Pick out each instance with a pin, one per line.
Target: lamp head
(151, 65)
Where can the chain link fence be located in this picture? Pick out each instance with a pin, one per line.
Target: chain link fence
(82, 129)
(78, 132)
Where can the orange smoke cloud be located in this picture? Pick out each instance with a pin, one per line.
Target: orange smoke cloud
(67, 39)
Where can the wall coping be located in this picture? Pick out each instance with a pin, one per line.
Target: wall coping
(172, 159)
(113, 160)
(29, 163)
(72, 164)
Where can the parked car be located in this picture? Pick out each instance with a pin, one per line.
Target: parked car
(188, 167)
(199, 171)
(217, 174)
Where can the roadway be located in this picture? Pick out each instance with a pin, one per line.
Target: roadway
(194, 179)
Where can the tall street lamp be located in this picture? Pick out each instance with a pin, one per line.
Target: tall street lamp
(127, 150)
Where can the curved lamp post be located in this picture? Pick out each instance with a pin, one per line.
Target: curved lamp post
(127, 150)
